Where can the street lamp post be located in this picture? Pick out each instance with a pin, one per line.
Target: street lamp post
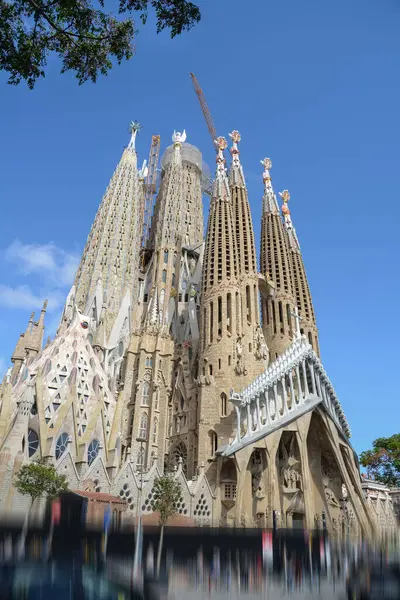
(139, 535)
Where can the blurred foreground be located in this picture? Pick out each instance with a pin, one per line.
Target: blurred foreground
(88, 565)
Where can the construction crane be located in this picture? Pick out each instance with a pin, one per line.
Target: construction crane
(204, 108)
(151, 187)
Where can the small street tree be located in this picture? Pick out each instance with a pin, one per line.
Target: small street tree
(38, 480)
(383, 461)
(166, 495)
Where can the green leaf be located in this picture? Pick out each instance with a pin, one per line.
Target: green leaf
(39, 480)
(166, 494)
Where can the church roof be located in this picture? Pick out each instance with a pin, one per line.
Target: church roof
(99, 497)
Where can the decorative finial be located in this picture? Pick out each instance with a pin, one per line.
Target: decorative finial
(221, 143)
(134, 128)
(178, 137)
(285, 198)
(267, 163)
(235, 136)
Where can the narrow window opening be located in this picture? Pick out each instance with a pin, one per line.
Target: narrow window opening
(229, 313)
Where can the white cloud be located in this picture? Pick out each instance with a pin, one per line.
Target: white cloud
(48, 260)
(23, 297)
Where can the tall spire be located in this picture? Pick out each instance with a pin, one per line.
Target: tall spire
(275, 264)
(112, 247)
(269, 203)
(221, 349)
(287, 221)
(247, 268)
(301, 289)
(236, 177)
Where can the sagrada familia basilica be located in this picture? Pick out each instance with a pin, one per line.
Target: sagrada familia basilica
(185, 356)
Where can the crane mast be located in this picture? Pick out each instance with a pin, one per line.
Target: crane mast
(204, 108)
(151, 185)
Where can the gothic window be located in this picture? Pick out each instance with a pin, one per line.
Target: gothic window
(143, 427)
(149, 361)
(33, 442)
(162, 297)
(155, 430)
(93, 450)
(140, 460)
(223, 405)
(173, 279)
(61, 445)
(145, 393)
(213, 443)
(164, 276)
(166, 257)
(180, 452)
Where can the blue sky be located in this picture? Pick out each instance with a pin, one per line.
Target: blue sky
(313, 85)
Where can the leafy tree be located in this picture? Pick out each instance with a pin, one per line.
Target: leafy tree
(37, 480)
(166, 495)
(85, 37)
(383, 461)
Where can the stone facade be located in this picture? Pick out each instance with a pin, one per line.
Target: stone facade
(162, 362)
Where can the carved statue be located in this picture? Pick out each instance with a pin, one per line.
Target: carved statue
(329, 493)
(192, 265)
(178, 137)
(257, 486)
(261, 350)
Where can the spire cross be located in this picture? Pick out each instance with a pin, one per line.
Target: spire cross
(298, 318)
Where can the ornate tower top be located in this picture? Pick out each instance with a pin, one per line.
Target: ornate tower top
(178, 137)
(221, 185)
(270, 204)
(236, 176)
(291, 232)
(134, 129)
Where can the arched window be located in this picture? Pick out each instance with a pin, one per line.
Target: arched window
(145, 393)
(61, 445)
(162, 297)
(155, 430)
(213, 443)
(224, 404)
(166, 256)
(149, 361)
(33, 442)
(140, 460)
(93, 450)
(164, 276)
(143, 427)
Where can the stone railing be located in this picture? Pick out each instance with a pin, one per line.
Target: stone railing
(292, 385)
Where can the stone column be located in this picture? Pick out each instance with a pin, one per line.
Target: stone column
(303, 367)
(237, 410)
(318, 382)
(249, 422)
(276, 401)
(285, 406)
(299, 384)
(258, 412)
(314, 390)
(292, 395)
